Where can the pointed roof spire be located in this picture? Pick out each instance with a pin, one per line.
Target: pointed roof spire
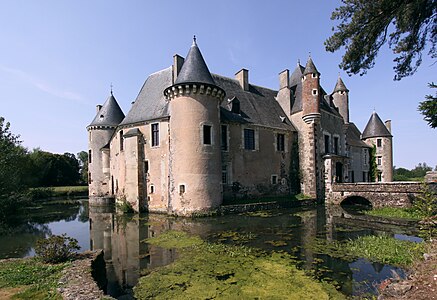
(110, 114)
(375, 128)
(340, 86)
(310, 67)
(194, 69)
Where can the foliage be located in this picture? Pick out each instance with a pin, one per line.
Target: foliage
(123, 205)
(217, 271)
(34, 279)
(383, 249)
(426, 202)
(82, 157)
(365, 26)
(56, 248)
(416, 174)
(39, 193)
(428, 108)
(373, 168)
(395, 212)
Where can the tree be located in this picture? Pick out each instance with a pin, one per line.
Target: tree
(82, 157)
(429, 108)
(408, 26)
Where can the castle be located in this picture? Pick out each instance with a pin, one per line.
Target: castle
(192, 139)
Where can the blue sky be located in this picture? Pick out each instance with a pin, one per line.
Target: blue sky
(58, 59)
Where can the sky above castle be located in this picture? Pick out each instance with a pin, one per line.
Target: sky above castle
(59, 58)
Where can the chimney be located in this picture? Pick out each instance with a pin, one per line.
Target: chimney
(243, 78)
(284, 79)
(388, 125)
(98, 107)
(178, 61)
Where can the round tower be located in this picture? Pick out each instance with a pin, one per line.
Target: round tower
(378, 135)
(310, 93)
(195, 157)
(340, 97)
(100, 131)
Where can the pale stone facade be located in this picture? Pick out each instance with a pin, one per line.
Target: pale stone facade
(192, 139)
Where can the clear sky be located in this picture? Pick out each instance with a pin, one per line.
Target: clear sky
(58, 59)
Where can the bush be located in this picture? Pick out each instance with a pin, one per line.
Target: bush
(40, 193)
(56, 248)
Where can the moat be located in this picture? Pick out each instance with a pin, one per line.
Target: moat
(292, 230)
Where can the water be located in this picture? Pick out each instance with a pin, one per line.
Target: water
(290, 230)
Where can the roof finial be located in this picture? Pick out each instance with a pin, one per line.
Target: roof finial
(309, 54)
(194, 41)
(338, 74)
(298, 62)
(111, 88)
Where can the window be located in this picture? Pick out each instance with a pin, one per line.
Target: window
(207, 134)
(336, 145)
(249, 139)
(89, 178)
(155, 134)
(314, 75)
(280, 142)
(314, 91)
(235, 106)
(224, 174)
(379, 160)
(181, 189)
(121, 140)
(89, 156)
(146, 166)
(364, 177)
(274, 179)
(378, 142)
(365, 157)
(224, 137)
(379, 176)
(327, 143)
(152, 189)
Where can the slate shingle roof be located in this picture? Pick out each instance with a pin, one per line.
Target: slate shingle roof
(375, 128)
(109, 115)
(310, 67)
(340, 86)
(353, 136)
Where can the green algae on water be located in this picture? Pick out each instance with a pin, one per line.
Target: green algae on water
(217, 271)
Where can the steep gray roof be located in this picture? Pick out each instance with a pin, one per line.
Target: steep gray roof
(194, 69)
(150, 103)
(257, 106)
(353, 136)
(340, 86)
(109, 115)
(375, 127)
(310, 67)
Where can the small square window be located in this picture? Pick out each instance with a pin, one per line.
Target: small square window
(274, 179)
(181, 189)
(378, 142)
(314, 75)
(379, 160)
(314, 91)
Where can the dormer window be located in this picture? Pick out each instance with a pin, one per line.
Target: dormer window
(234, 105)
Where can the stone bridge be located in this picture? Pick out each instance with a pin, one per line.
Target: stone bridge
(392, 194)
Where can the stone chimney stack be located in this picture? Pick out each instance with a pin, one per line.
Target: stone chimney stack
(243, 78)
(284, 79)
(98, 107)
(388, 125)
(178, 61)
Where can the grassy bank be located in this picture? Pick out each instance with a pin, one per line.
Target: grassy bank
(29, 278)
(395, 212)
(216, 271)
(43, 193)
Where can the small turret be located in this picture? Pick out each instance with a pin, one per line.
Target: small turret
(340, 97)
(101, 129)
(378, 135)
(310, 92)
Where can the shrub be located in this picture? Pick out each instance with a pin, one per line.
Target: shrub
(56, 248)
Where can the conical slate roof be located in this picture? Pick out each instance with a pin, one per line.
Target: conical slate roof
(310, 67)
(194, 69)
(375, 128)
(110, 114)
(340, 86)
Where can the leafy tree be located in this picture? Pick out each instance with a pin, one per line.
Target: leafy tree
(429, 108)
(82, 157)
(408, 26)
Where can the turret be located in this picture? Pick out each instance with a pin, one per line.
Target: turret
(377, 134)
(340, 97)
(195, 161)
(310, 93)
(100, 131)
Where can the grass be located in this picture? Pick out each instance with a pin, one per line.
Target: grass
(29, 278)
(383, 249)
(217, 271)
(395, 212)
(42, 193)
